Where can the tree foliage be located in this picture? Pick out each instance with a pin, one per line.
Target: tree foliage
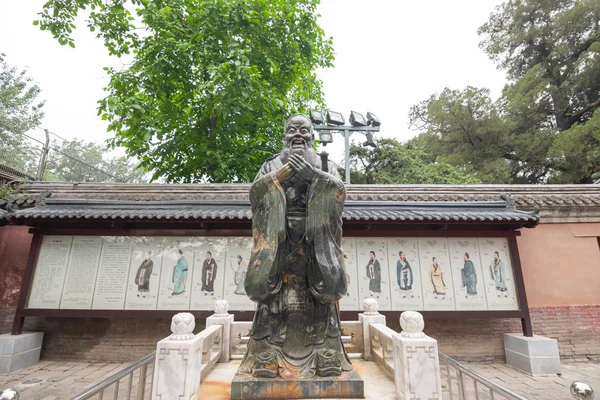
(392, 162)
(542, 128)
(20, 111)
(211, 81)
(80, 161)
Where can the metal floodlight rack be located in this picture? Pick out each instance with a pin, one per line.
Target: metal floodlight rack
(335, 123)
(357, 119)
(325, 137)
(372, 119)
(335, 118)
(370, 140)
(317, 117)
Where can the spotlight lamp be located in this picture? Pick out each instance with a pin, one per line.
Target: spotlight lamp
(316, 117)
(372, 119)
(357, 119)
(335, 118)
(325, 137)
(370, 140)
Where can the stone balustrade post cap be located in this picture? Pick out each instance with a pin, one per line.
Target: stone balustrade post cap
(182, 326)
(370, 306)
(412, 324)
(221, 308)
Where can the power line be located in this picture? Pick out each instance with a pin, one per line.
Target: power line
(52, 133)
(65, 154)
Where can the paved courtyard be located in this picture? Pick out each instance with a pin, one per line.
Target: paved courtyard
(61, 380)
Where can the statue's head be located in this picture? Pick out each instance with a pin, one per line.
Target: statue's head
(466, 256)
(496, 256)
(298, 135)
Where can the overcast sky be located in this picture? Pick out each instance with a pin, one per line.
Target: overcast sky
(390, 55)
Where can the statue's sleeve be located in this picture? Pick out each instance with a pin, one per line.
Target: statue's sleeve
(264, 276)
(324, 232)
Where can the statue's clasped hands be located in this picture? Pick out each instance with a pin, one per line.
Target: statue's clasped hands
(296, 165)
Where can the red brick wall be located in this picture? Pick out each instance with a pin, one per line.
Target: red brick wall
(99, 339)
(14, 251)
(577, 329)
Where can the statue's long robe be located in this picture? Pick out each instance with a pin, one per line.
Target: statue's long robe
(296, 282)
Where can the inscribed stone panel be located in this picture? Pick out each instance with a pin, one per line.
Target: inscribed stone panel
(235, 268)
(498, 274)
(81, 273)
(405, 271)
(113, 271)
(49, 274)
(208, 274)
(144, 273)
(467, 276)
(438, 292)
(373, 271)
(176, 274)
(350, 302)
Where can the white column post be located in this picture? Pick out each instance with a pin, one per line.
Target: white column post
(221, 317)
(178, 361)
(368, 317)
(416, 360)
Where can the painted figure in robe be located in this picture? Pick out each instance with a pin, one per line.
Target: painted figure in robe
(240, 275)
(180, 273)
(144, 272)
(436, 277)
(374, 274)
(209, 273)
(469, 276)
(498, 271)
(404, 273)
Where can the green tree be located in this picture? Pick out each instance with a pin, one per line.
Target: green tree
(392, 162)
(465, 129)
(551, 53)
(20, 111)
(536, 132)
(211, 81)
(80, 161)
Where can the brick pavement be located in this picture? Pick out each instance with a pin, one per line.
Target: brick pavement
(60, 380)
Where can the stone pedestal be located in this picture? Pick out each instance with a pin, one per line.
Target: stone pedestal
(369, 316)
(178, 362)
(221, 317)
(416, 361)
(347, 386)
(19, 351)
(536, 355)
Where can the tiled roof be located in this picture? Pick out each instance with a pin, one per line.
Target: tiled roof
(557, 203)
(435, 211)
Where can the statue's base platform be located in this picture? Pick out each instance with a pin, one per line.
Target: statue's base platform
(347, 386)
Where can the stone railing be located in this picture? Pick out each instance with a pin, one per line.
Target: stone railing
(410, 357)
(183, 359)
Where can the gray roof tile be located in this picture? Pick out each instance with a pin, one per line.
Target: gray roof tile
(173, 210)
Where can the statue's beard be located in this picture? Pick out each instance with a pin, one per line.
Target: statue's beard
(306, 153)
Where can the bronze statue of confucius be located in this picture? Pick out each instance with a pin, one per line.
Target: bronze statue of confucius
(296, 272)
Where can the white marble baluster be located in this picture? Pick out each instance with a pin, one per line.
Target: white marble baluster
(369, 316)
(416, 361)
(221, 317)
(178, 361)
